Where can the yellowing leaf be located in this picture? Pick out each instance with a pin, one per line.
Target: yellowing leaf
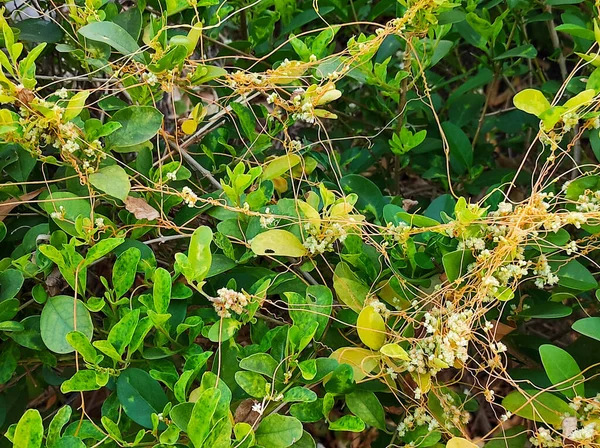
(76, 105)
(423, 381)
(459, 442)
(348, 287)
(189, 126)
(581, 99)
(395, 351)
(280, 165)
(592, 58)
(531, 101)
(361, 360)
(313, 216)
(280, 184)
(277, 242)
(371, 328)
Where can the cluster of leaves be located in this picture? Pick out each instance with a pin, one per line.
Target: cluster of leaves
(275, 223)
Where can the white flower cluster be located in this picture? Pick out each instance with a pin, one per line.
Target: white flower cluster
(228, 299)
(307, 109)
(570, 120)
(589, 202)
(188, 196)
(399, 233)
(477, 244)
(150, 78)
(543, 439)
(544, 272)
(585, 435)
(266, 221)
(60, 214)
(419, 417)
(453, 415)
(322, 241)
(378, 306)
(447, 340)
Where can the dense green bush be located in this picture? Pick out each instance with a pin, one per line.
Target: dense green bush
(279, 223)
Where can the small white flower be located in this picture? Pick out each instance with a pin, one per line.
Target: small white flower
(99, 222)
(258, 407)
(171, 175)
(189, 197)
(62, 93)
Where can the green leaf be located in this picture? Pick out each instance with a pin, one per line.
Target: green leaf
(461, 152)
(30, 430)
(100, 249)
(112, 34)
(576, 30)
(60, 419)
(200, 422)
(8, 309)
(161, 290)
(124, 270)
(260, 363)
(140, 395)
(83, 380)
(590, 327)
(365, 405)
(76, 105)
(138, 125)
(341, 381)
(544, 408)
(69, 442)
(455, 263)
(60, 316)
(252, 383)
(348, 287)
(316, 305)
(594, 80)
(81, 343)
(348, 423)
(223, 330)
(527, 51)
(11, 281)
(280, 166)
(199, 255)
(278, 431)
(562, 370)
(278, 242)
(121, 334)
(71, 205)
(306, 441)
(576, 276)
(112, 180)
(39, 30)
(299, 394)
(531, 101)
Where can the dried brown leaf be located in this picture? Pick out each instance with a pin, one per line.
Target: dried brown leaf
(140, 208)
(7, 206)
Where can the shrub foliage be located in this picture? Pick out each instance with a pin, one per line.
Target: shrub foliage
(278, 223)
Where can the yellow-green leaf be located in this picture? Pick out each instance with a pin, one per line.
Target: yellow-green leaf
(371, 328)
(395, 351)
(280, 165)
(459, 442)
(580, 99)
(277, 242)
(75, 105)
(531, 101)
(361, 360)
